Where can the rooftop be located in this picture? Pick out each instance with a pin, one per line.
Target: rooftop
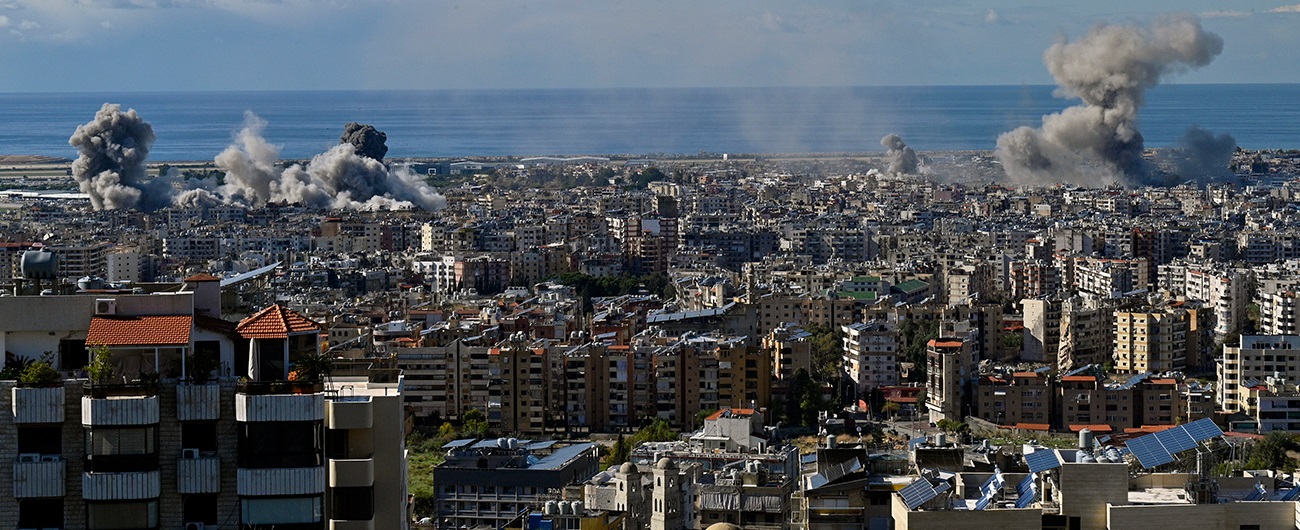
(157, 330)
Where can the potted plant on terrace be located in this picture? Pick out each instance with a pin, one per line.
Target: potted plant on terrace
(40, 374)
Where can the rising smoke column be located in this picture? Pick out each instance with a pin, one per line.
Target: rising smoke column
(1110, 70)
(902, 159)
(1203, 156)
(110, 165)
(368, 141)
(339, 178)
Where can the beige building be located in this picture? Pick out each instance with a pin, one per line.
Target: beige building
(1151, 340)
(950, 364)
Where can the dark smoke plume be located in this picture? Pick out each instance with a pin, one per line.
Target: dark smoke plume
(110, 165)
(1110, 70)
(368, 141)
(902, 159)
(1203, 156)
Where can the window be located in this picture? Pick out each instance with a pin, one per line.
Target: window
(281, 444)
(352, 504)
(280, 510)
(118, 449)
(200, 508)
(42, 439)
(201, 435)
(72, 354)
(40, 513)
(122, 515)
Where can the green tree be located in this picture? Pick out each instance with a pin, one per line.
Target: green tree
(100, 368)
(1271, 452)
(891, 409)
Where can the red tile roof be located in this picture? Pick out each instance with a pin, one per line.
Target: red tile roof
(202, 277)
(275, 322)
(1094, 428)
(734, 412)
(1034, 427)
(156, 330)
(1080, 378)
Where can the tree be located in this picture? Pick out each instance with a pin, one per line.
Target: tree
(1271, 452)
(891, 409)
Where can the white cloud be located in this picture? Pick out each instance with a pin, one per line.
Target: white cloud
(28, 24)
(1225, 14)
(4, 21)
(107, 24)
(992, 17)
(1286, 9)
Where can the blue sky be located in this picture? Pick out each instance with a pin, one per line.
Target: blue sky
(187, 45)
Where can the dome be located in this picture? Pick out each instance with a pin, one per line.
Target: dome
(665, 463)
(723, 526)
(627, 468)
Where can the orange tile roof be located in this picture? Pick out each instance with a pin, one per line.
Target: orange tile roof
(1081, 378)
(945, 343)
(1025, 374)
(1164, 381)
(275, 322)
(1034, 427)
(202, 277)
(152, 330)
(1094, 428)
(1148, 428)
(734, 412)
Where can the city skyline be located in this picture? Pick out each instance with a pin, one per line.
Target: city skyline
(193, 45)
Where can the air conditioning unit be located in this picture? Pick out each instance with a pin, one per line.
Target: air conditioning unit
(29, 457)
(190, 453)
(105, 307)
(51, 458)
(193, 526)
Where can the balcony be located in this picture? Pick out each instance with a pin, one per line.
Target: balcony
(125, 486)
(336, 524)
(128, 408)
(43, 476)
(280, 481)
(280, 401)
(198, 402)
(34, 404)
(350, 412)
(352, 472)
(198, 475)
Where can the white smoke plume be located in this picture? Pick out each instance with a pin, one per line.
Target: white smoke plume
(1203, 156)
(110, 164)
(1110, 70)
(902, 159)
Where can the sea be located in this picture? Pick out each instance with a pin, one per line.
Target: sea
(195, 126)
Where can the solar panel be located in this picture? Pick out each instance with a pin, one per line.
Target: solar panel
(1175, 440)
(1257, 494)
(942, 487)
(1203, 429)
(917, 493)
(1042, 460)
(1025, 486)
(1289, 495)
(911, 444)
(988, 484)
(1149, 452)
(983, 502)
(1027, 498)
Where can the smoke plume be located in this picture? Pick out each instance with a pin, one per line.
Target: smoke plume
(368, 141)
(110, 165)
(111, 169)
(1202, 155)
(902, 159)
(338, 178)
(1110, 70)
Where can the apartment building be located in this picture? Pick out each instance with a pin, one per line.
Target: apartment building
(1256, 359)
(1151, 340)
(950, 364)
(1020, 399)
(491, 482)
(790, 348)
(162, 443)
(871, 354)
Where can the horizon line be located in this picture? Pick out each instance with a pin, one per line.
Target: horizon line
(593, 89)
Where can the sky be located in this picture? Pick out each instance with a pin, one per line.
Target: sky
(196, 45)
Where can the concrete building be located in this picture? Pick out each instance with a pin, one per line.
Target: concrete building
(871, 354)
(1256, 359)
(950, 365)
(493, 481)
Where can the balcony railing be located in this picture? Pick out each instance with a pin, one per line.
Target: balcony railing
(103, 391)
(268, 388)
